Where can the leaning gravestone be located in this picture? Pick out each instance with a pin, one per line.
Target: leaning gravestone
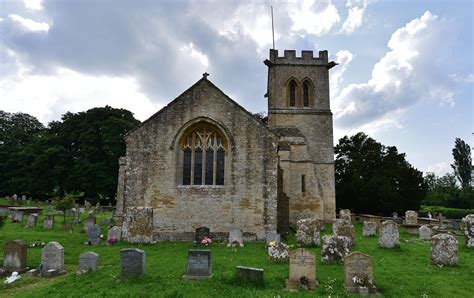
(411, 217)
(302, 272)
(93, 235)
(14, 256)
(345, 215)
(369, 228)
(275, 237)
(358, 272)
(52, 260)
(468, 223)
(32, 220)
(389, 235)
(444, 249)
(199, 265)
(425, 233)
(335, 248)
(114, 234)
(235, 238)
(132, 262)
(201, 233)
(249, 275)
(89, 222)
(48, 223)
(88, 261)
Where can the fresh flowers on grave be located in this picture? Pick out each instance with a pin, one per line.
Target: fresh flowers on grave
(111, 241)
(206, 241)
(362, 280)
(37, 244)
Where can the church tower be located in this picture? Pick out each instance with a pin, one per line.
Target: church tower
(299, 113)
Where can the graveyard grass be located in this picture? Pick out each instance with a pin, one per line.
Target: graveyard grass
(403, 272)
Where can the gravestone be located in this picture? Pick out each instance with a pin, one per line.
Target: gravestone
(15, 255)
(425, 233)
(345, 215)
(468, 223)
(17, 216)
(358, 272)
(106, 222)
(88, 261)
(249, 275)
(272, 237)
(444, 249)
(201, 233)
(235, 238)
(132, 262)
(308, 231)
(335, 248)
(302, 271)
(114, 233)
(346, 229)
(389, 235)
(411, 217)
(67, 227)
(336, 223)
(279, 252)
(48, 223)
(89, 222)
(32, 220)
(199, 265)
(93, 235)
(52, 259)
(369, 228)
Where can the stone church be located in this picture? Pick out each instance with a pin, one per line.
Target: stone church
(205, 161)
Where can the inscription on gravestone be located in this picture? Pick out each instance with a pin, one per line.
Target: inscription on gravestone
(88, 261)
(357, 271)
(48, 223)
(52, 258)
(132, 262)
(302, 273)
(93, 235)
(199, 265)
(14, 255)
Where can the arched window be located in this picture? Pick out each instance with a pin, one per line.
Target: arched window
(203, 150)
(306, 94)
(292, 93)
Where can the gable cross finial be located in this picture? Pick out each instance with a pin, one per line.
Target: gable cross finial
(205, 75)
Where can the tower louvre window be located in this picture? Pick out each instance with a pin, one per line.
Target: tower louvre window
(292, 87)
(305, 94)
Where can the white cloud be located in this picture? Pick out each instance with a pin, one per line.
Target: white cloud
(33, 4)
(30, 24)
(343, 58)
(48, 96)
(410, 72)
(355, 16)
(439, 168)
(315, 17)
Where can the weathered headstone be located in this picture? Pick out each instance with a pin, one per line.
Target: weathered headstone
(48, 223)
(272, 237)
(17, 216)
(345, 215)
(67, 227)
(249, 275)
(114, 233)
(336, 224)
(302, 271)
(132, 262)
(93, 235)
(369, 228)
(14, 255)
(235, 238)
(425, 233)
(88, 261)
(358, 272)
(346, 229)
(468, 223)
(279, 252)
(389, 235)
(199, 265)
(52, 259)
(89, 222)
(308, 231)
(444, 249)
(106, 222)
(201, 233)
(335, 248)
(32, 220)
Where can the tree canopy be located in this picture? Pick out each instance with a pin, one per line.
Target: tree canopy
(462, 162)
(373, 178)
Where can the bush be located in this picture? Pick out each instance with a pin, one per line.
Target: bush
(3, 219)
(451, 213)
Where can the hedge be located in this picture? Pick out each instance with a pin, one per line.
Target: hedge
(451, 213)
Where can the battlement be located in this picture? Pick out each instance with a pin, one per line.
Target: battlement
(306, 58)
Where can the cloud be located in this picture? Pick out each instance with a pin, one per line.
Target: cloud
(33, 4)
(355, 16)
(410, 72)
(314, 17)
(343, 58)
(30, 24)
(439, 168)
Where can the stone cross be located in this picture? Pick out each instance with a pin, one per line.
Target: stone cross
(389, 235)
(132, 262)
(88, 261)
(444, 249)
(357, 267)
(93, 235)
(424, 232)
(199, 265)
(52, 258)
(15, 255)
(369, 228)
(302, 271)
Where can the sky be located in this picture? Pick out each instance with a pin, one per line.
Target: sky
(405, 75)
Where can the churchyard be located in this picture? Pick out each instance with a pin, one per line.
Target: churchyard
(404, 270)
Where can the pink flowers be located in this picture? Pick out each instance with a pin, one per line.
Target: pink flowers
(111, 241)
(206, 241)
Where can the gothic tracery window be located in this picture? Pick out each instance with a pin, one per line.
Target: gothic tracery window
(203, 156)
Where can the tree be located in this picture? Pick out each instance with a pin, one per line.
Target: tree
(64, 203)
(374, 178)
(462, 162)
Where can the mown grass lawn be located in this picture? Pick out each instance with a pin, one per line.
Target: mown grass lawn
(404, 272)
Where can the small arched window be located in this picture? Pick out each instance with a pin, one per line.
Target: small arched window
(306, 94)
(203, 150)
(292, 93)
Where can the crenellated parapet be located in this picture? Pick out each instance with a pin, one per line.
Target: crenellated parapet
(307, 58)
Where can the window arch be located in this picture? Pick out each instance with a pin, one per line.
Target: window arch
(305, 94)
(292, 86)
(203, 151)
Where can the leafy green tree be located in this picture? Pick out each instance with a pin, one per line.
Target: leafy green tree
(373, 178)
(445, 191)
(462, 162)
(64, 203)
